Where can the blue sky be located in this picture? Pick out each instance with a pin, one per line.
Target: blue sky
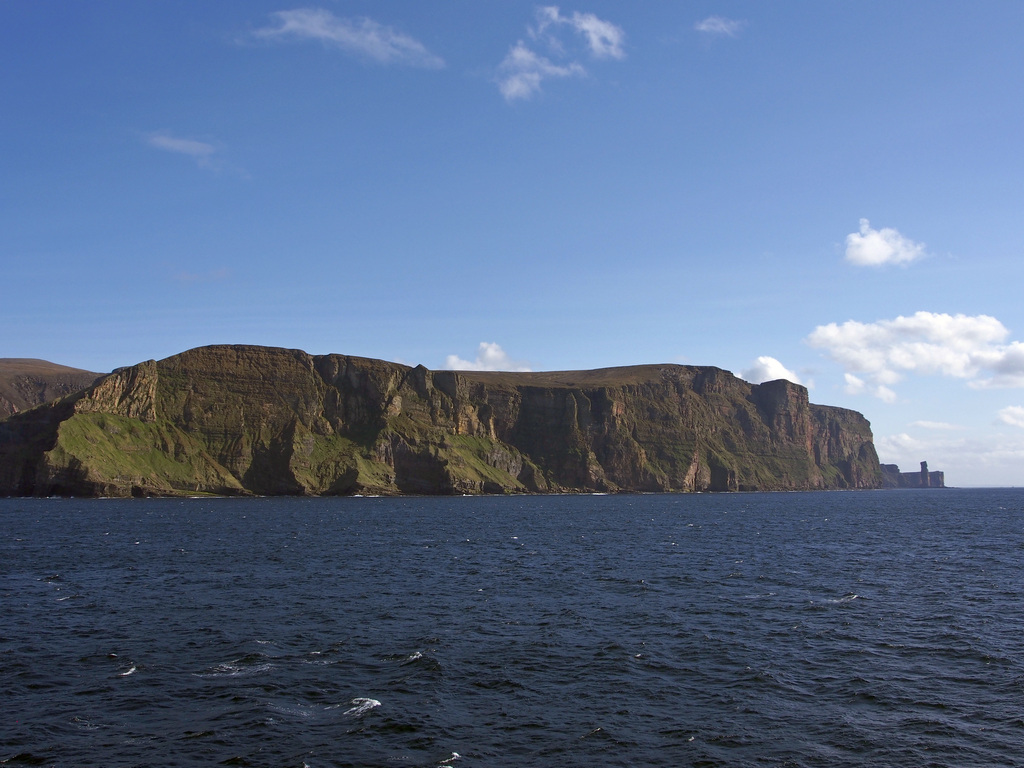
(827, 191)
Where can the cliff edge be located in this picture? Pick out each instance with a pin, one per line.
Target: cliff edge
(258, 420)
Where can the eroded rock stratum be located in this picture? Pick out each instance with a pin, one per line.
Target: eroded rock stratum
(259, 420)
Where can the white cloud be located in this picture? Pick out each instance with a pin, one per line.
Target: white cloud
(1012, 415)
(199, 150)
(489, 357)
(604, 39)
(857, 386)
(767, 368)
(854, 384)
(875, 247)
(926, 343)
(885, 394)
(718, 25)
(895, 448)
(1006, 362)
(362, 37)
(939, 425)
(524, 69)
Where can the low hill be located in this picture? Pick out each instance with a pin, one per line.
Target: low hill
(259, 420)
(26, 383)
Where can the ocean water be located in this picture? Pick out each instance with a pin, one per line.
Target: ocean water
(806, 629)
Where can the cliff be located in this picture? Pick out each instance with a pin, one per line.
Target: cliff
(26, 383)
(242, 419)
(893, 478)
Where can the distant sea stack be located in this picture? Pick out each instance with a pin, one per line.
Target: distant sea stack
(893, 478)
(257, 420)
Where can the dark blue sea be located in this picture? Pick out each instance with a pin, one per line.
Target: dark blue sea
(805, 629)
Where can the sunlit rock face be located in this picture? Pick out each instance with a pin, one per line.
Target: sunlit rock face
(259, 420)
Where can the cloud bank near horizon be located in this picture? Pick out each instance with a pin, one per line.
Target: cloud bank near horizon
(489, 357)
(767, 368)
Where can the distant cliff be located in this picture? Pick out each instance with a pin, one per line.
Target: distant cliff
(26, 383)
(257, 420)
(893, 478)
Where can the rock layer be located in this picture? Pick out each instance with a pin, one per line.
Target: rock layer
(26, 383)
(243, 419)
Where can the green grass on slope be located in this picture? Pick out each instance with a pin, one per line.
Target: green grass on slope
(123, 452)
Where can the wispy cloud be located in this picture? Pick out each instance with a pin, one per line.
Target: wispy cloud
(875, 247)
(604, 39)
(767, 368)
(719, 25)
(877, 356)
(524, 69)
(937, 425)
(855, 385)
(1012, 415)
(489, 357)
(360, 37)
(200, 151)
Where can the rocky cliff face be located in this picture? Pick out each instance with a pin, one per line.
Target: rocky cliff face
(236, 419)
(893, 478)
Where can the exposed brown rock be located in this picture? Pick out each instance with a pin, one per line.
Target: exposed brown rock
(241, 419)
(26, 383)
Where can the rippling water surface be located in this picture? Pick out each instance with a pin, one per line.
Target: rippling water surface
(816, 629)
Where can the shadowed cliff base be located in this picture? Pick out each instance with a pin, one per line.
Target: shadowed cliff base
(260, 420)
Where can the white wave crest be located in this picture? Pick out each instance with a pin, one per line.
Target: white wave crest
(848, 597)
(361, 706)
